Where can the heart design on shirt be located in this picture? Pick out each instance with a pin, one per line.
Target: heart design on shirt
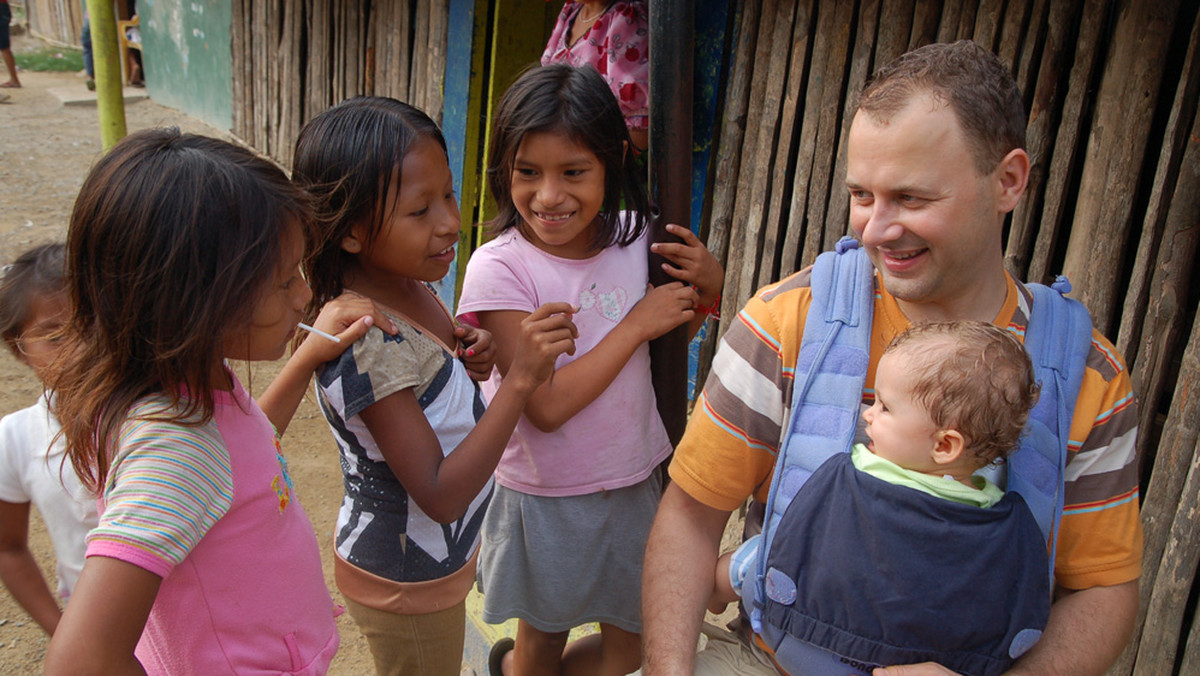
(610, 305)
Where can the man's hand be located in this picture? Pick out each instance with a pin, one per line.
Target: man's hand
(922, 669)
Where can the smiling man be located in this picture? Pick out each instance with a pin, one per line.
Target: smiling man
(935, 162)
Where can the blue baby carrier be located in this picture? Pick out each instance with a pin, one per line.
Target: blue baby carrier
(861, 529)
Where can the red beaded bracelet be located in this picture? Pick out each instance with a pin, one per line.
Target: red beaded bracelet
(712, 310)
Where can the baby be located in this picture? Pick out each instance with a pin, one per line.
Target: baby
(950, 399)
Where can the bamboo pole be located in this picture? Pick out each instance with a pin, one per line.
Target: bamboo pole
(110, 100)
(1040, 138)
(1162, 200)
(729, 158)
(1169, 559)
(837, 216)
(924, 24)
(1164, 324)
(1012, 33)
(895, 27)
(948, 20)
(728, 161)
(1112, 169)
(770, 97)
(987, 24)
(735, 295)
(832, 75)
(789, 63)
(1067, 147)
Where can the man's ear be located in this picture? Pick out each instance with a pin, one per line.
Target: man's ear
(1012, 177)
(948, 446)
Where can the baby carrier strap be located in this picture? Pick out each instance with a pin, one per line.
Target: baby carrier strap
(1058, 339)
(827, 385)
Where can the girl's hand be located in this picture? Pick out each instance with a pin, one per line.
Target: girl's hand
(478, 352)
(693, 264)
(348, 317)
(662, 309)
(546, 333)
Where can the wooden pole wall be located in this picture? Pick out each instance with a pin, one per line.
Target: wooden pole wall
(1111, 87)
(292, 60)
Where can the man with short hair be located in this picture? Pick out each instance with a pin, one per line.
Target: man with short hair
(935, 162)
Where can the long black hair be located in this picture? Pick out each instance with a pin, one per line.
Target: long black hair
(576, 102)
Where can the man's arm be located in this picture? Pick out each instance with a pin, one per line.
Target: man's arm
(681, 557)
(1088, 629)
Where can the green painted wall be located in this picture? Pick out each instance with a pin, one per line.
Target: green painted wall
(187, 56)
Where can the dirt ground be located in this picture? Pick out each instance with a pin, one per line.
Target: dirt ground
(45, 152)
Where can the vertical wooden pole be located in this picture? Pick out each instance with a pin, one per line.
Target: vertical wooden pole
(671, 49)
(110, 101)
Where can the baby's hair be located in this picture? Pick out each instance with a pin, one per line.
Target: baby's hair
(172, 238)
(973, 377)
(346, 158)
(37, 272)
(578, 103)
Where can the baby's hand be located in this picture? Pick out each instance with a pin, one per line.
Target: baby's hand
(693, 264)
(545, 334)
(478, 352)
(348, 317)
(662, 309)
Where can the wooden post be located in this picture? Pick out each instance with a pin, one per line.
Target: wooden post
(671, 49)
(1100, 233)
(1170, 504)
(727, 165)
(1164, 323)
(110, 100)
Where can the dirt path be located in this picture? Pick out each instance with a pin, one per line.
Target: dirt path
(45, 152)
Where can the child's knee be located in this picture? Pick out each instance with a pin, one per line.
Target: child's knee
(534, 641)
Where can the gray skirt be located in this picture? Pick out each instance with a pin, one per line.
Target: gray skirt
(561, 562)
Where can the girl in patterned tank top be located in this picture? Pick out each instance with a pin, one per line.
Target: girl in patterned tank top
(417, 446)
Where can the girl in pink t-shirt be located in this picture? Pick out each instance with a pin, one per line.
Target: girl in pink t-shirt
(184, 251)
(576, 487)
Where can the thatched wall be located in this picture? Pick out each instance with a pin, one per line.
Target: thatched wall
(294, 59)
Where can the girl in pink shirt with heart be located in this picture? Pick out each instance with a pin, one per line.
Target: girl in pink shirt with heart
(578, 477)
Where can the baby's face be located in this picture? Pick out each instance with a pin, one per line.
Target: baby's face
(899, 428)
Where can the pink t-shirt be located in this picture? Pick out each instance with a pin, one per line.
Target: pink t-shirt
(616, 45)
(211, 510)
(618, 439)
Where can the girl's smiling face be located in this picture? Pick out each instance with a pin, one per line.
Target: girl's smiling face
(558, 188)
(420, 230)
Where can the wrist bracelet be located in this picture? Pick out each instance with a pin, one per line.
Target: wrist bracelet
(712, 310)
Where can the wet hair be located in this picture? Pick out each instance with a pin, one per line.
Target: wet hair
(38, 272)
(972, 81)
(972, 377)
(576, 102)
(172, 239)
(346, 158)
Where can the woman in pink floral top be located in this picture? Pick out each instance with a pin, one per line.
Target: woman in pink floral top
(613, 38)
